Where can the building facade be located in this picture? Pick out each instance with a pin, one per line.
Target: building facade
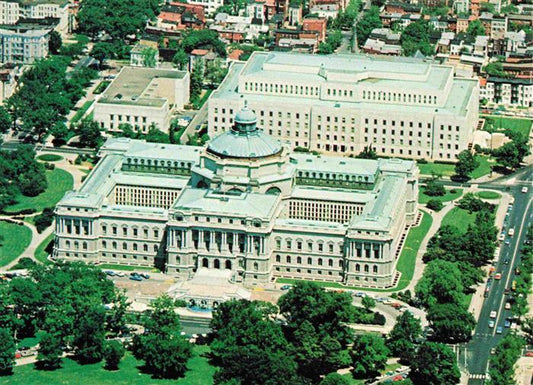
(339, 104)
(245, 204)
(12, 11)
(509, 92)
(23, 45)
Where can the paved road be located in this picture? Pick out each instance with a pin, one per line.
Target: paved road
(476, 354)
(199, 119)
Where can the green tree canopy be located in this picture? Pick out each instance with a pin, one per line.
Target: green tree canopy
(466, 163)
(7, 351)
(441, 283)
(415, 37)
(434, 364)
(367, 23)
(404, 335)
(369, 355)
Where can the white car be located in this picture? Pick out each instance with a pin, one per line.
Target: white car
(493, 314)
(524, 189)
(507, 305)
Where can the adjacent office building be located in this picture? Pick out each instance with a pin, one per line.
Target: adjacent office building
(245, 204)
(338, 104)
(142, 98)
(23, 43)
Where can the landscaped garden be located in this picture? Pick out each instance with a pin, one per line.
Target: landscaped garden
(501, 124)
(488, 195)
(199, 373)
(448, 169)
(450, 195)
(14, 240)
(49, 157)
(59, 181)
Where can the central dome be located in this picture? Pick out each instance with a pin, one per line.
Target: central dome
(244, 140)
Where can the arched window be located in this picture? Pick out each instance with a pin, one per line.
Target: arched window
(124, 246)
(319, 261)
(273, 191)
(309, 261)
(357, 267)
(145, 247)
(67, 244)
(256, 266)
(288, 259)
(330, 262)
(205, 262)
(228, 264)
(114, 244)
(134, 247)
(341, 263)
(278, 258)
(104, 244)
(299, 260)
(366, 269)
(76, 245)
(84, 245)
(217, 264)
(375, 269)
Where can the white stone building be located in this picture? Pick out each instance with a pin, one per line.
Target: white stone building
(509, 92)
(245, 204)
(141, 97)
(22, 44)
(341, 103)
(12, 11)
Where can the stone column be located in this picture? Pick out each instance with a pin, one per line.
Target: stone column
(224, 246)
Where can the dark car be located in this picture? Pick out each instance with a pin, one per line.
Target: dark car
(506, 261)
(144, 275)
(136, 278)
(111, 273)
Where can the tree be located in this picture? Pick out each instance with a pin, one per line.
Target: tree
(502, 363)
(164, 351)
(33, 181)
(7, 351)
(26, 298)
(55, 42)
(50, 351)
(89, 133)
(367, 23)
(149, 57)
(367, 153)
(101, 52)
(197, 79)
(335, 379)
(475, 28)
(434, 204)
(249, 346)
(434, 364)
(60, 132)
(441, 283)
(116, 316)
(180, 59)
(369, 355)
(452, 323)
(89, 335)
(5, 120)
(466, 163)
(403, 337)
(527, 328)
(113, 353)
(496, 69)
(415, 37)
(368, 303)
(434, 188)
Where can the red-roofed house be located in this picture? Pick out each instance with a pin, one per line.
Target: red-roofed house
(316, 25)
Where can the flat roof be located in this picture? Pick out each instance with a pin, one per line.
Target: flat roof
(137, 85)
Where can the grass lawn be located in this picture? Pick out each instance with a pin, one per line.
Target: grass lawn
(488, 195)
(41, 252)
(459, 218)
(101, 87)
(449, 196)
(484, 167)
(49, 157)
(199, 373)
(15, 239)
(405, 265)
(127, 268)
(500, 123)
(407, 260)
(448, 170)
(83, 109)
(59, 181)
(436, 168)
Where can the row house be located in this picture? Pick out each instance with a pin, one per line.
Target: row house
(180, 16)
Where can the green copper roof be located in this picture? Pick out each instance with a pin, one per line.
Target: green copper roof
(244, 140)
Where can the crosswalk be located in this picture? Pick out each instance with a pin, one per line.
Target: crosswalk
(476, 376)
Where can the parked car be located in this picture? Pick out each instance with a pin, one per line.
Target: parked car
(135, 278)
(285, 287)
(493, 314)
(499, 330)
(491, 324)
(111, 273)
(120, 274)
(524, 189)
(498, 276)
(507, 305)
(144, 275)
(507, 324)
(506, 261)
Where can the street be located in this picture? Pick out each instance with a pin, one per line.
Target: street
(475, 355)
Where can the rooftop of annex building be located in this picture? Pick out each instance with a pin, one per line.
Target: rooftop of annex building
(139, 85)
(456, 102)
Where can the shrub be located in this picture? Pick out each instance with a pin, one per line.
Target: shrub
(434, 188)
(49, 157)
(434, 204)
(379, 319)
(44, 220)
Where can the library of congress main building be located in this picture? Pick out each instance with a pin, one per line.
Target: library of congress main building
(246, 204)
